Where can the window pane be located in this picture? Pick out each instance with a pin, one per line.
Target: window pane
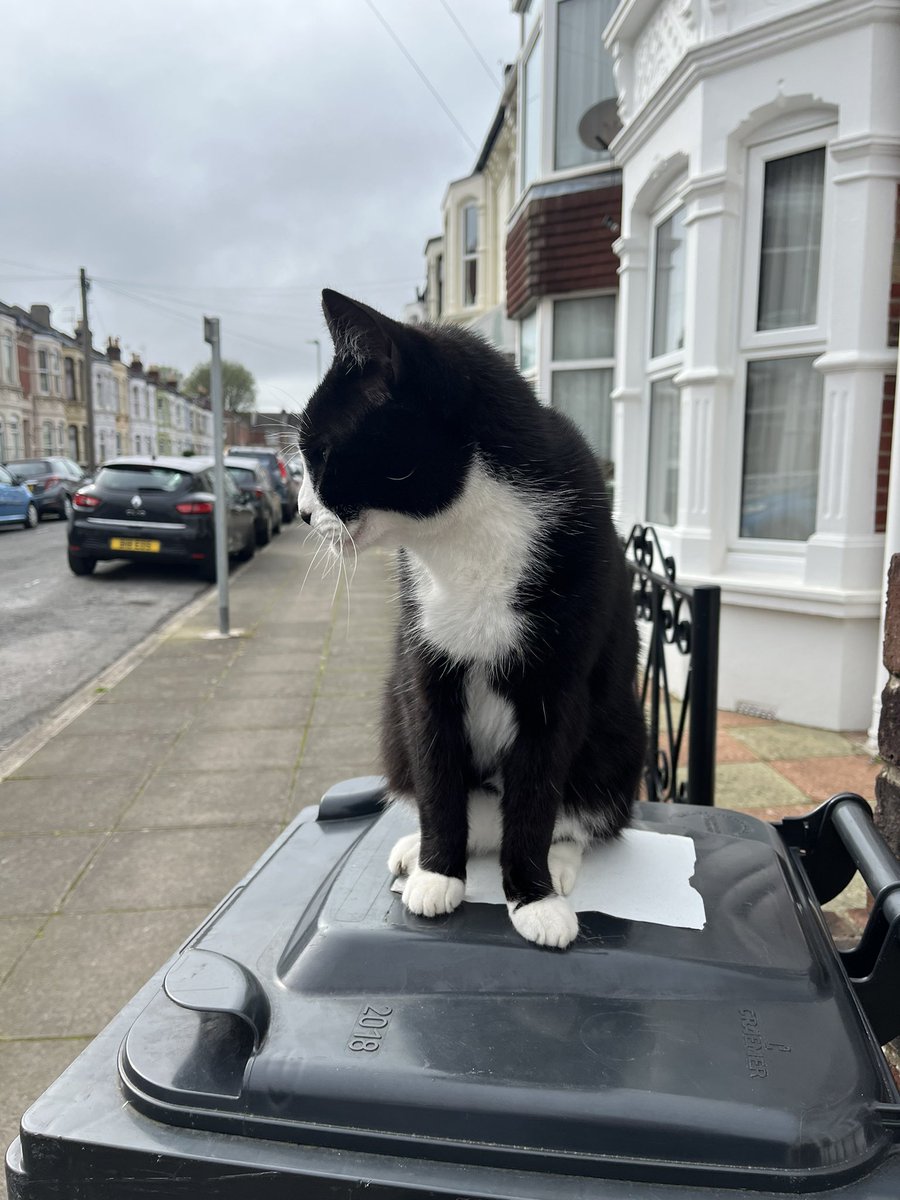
(584, 76)
(528, 342)
(531, 115)
(470, 228)
(584, 328)
(782, 430)
(665, 428)
(791, 239)
(668, 289)
(470, 281)
(584, 397)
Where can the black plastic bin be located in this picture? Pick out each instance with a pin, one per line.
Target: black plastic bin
(313, 1039)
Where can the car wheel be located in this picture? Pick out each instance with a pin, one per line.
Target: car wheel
(264, 536)
(32, 517)
(249, 548)
(81, 564)
(66, 508)
(287, 513)
(207, 570)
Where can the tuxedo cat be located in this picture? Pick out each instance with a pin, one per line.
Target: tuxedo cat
(511, 720)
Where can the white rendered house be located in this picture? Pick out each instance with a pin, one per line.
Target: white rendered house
(752, 412)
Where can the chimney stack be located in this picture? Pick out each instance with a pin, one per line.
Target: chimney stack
(41, 314)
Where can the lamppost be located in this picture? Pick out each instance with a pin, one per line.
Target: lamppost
(318, 345)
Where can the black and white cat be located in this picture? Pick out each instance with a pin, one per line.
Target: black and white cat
(510, 716)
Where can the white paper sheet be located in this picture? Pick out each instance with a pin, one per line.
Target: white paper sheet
(643, 876)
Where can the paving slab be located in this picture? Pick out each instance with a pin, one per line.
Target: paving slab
(184, 798)
(37, 872)
(754, 785)
(87, 803)
(16, 933)
(88, 754)
(792, 741)
(169, 868)
(69, 981)
(821, 778)
(225, 710)
(218, 750)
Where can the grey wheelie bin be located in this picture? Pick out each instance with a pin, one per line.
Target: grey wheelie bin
(312, 1039)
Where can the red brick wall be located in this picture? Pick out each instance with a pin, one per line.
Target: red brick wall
(563, 244)
(890, 384)
(884, 453)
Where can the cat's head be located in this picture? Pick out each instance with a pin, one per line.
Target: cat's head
(383, 440)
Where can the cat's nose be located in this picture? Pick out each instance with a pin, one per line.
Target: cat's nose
(306, 516)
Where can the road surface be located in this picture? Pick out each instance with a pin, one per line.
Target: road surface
(58, 631)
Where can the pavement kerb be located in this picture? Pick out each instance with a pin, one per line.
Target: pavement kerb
(81, 700)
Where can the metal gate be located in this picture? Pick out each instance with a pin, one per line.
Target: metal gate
(681, 620)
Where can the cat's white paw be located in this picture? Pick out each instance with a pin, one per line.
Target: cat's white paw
(405, 855)
(428, 894)
(564, 861)
(548, 922)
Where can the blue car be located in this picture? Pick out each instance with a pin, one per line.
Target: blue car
(16, 504)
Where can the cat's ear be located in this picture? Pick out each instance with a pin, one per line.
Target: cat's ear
(360, 334)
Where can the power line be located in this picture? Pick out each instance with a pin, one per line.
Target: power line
(456, 21)
(418, 70)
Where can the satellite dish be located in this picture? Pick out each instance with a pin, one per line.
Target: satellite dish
(600, 124)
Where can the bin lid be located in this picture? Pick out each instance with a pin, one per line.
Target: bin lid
(313, 1008)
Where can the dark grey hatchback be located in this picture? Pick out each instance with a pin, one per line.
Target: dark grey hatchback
(156, 509)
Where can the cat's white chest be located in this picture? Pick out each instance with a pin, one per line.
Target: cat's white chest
(471, 621)
(468, 565)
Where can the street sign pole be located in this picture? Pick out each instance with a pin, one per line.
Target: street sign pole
(211, 337)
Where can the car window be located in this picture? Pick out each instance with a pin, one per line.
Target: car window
(25, 468)
(231, 489)
(147, 479)
(243, 476)
(5, 476)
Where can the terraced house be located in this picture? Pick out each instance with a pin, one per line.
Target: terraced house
(695, 205)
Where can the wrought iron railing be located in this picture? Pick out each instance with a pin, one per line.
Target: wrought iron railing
(685, 621)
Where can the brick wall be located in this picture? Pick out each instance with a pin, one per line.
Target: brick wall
(887, 785)
(563, 244)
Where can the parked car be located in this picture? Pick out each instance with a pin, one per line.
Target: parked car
(252, 477)
(16, 504)
(161, 508)
(52, 482)
(283, 482)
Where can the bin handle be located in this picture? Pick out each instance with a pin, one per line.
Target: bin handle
(832, 843)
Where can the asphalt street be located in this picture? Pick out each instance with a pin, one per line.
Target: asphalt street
(58, 631)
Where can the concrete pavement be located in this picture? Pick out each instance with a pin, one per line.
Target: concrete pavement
(120, 833)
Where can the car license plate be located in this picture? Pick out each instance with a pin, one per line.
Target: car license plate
(134, 544)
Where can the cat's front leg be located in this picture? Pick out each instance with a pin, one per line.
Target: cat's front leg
(436, 883)
(533, 776)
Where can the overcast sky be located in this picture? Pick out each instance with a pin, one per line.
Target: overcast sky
(233, 158)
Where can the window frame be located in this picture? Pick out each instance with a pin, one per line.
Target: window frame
(663, 367)
(562, 366)
(799, 135)
(548, 159)
(467, 256)
(756, 341)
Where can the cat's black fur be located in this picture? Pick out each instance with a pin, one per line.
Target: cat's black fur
(403, 419)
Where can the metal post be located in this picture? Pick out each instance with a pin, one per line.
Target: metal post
(87, 390)
(704, 683)
(318, 345)
(211, 336)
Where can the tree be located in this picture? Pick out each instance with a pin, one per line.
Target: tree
(238, 385)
